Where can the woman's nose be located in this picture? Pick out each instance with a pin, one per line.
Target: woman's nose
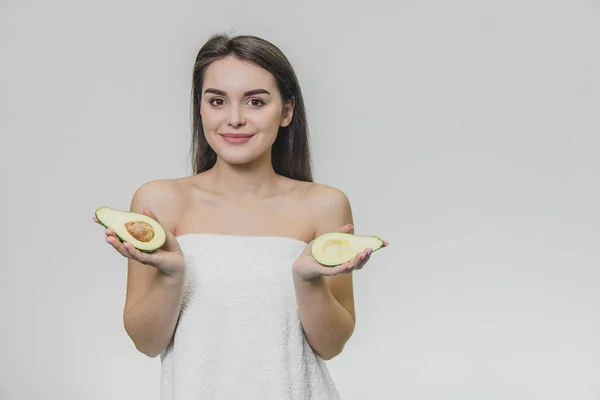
(236, 117)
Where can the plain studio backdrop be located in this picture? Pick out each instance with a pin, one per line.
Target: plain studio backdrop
(466, 133)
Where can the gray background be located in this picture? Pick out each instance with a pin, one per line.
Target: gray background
(465, 132)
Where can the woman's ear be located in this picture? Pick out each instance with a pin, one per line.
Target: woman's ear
(288, 112)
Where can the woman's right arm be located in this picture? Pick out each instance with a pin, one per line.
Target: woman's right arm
(153, 299)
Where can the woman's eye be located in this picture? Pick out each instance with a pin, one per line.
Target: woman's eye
(257, 102)
(253, 102)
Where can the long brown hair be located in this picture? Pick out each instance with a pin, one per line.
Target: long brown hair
(291, 153)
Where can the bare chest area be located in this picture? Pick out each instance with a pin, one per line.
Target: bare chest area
(287, 217)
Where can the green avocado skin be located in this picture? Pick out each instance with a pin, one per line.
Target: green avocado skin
(123, 239)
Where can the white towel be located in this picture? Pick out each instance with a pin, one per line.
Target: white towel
(239, 335)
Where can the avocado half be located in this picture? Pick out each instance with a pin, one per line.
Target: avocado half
(143, 232)
(335, 248)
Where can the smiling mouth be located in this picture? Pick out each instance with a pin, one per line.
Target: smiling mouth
(237, 135)
(237, 138)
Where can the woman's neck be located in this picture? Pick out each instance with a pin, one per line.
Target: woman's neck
(247, 181)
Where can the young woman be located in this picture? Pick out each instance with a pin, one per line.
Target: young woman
(234, 303)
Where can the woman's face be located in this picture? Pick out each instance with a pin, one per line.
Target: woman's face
(241, 110)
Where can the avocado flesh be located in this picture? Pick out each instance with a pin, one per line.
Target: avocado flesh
(143, 232)
(335, 248)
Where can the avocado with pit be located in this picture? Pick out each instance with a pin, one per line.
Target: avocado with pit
(335, 248)
(143, 232)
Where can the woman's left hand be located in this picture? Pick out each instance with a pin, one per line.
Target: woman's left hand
(306, 267)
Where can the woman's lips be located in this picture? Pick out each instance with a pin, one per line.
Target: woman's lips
(236, 138)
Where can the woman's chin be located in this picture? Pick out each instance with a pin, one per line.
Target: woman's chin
(238, 157)
(238, 154)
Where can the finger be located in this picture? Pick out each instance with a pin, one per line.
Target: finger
(118, 246)
(352, 266)
(117, 243)
(96, 220)
(136, 254)
(148, 212)
(110, 233)
(360, 259)
(346, 267)
(338, 269)
(386, 243)
(364, 262)
(345, 229)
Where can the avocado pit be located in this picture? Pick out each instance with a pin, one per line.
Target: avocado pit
(140, 230)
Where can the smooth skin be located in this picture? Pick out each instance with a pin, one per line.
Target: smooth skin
(240, 195)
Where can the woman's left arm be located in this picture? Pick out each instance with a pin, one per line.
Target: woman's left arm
(325, 295)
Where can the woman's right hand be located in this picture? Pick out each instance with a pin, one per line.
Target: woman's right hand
(168, 259)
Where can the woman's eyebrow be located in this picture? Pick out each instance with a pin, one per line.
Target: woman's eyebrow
(246, 94)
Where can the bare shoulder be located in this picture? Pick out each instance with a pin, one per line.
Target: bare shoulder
(326, 196)
(164, 197)
(329, 206)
